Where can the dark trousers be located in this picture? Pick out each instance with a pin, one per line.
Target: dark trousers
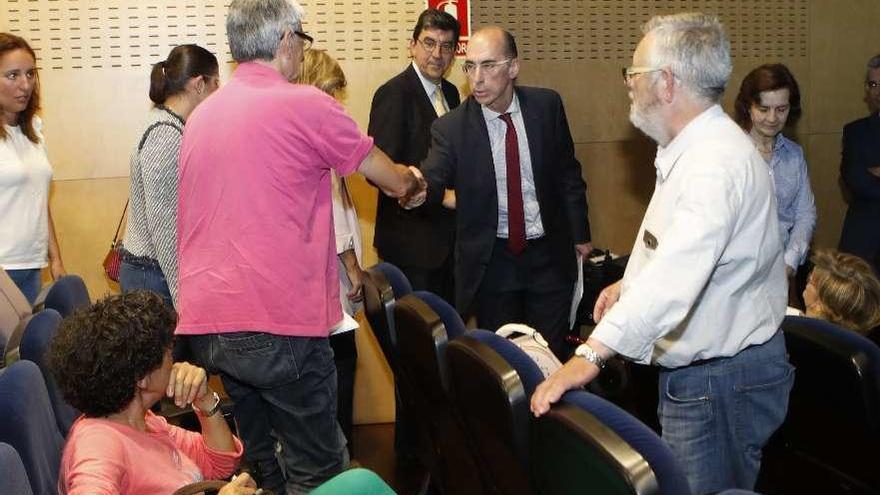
(529, 288)
(440, 280)
(345, 356)
(284, 390)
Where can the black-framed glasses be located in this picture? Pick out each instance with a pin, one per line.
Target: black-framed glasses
(429, 44)
(489, 66)
(307, 40)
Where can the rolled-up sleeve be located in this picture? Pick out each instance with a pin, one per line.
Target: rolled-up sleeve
(652, 305)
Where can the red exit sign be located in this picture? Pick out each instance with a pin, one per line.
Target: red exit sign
(461, 10)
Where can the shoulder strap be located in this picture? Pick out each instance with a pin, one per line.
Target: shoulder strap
(153, 126)
(140, 146)
(119, 225)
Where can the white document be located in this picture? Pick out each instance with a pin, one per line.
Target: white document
(346, 325)
(578, 292)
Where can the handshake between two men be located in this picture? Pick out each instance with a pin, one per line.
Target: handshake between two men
(404, 183)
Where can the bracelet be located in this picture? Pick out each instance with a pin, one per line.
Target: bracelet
(210, 412)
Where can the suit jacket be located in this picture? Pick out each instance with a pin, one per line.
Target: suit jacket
(400, 123)
(461, 158)
(861, 150)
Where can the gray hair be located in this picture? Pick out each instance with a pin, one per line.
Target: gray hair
(255, 27)
(695, 48)
(873, 63)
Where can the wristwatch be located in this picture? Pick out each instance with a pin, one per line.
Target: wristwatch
(587, 352)
(210, 412)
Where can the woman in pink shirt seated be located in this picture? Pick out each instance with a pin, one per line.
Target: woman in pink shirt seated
(113, 362)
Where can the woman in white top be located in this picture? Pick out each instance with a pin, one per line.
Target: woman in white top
(27, 233)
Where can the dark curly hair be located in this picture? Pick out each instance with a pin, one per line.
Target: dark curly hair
(102, 351)
(768, 77)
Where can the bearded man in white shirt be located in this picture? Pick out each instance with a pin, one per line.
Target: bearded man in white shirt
(704, 292)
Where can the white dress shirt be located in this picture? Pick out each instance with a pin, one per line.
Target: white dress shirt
(431, 87)
(706, 277)
(497, 141)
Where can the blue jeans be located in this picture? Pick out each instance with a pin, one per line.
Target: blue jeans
(28, 281)
(140, 274)
(284, 389)
(718, 415)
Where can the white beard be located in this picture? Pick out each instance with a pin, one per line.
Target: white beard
(645, 119)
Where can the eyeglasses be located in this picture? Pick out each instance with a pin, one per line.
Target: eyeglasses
(489, 66)
(430, 44)
(629, 72)
(872, 84)
(307, 40)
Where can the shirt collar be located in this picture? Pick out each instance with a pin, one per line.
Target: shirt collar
(429, 85)
(489, 114)
(782, 143)
(252, 70)
(668, 155)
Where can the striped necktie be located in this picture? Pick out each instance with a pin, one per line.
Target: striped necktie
(439, 104)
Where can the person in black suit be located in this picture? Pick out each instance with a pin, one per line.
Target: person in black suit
(860, 171)
(521, 202)
(420, 241)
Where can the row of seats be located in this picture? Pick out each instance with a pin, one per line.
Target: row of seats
(36, 418)
(64, 295)
(469, 391)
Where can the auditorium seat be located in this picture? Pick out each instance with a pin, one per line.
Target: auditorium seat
(14, 311)
(421, 341)
(13, 476)
(66, 295)
(832, 429)
(28, 425)
(384, 284)
(586, 444)
(379, 300)
(35, 342)
(492, 381)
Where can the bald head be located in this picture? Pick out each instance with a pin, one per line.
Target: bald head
(492, 67)
(497, 36)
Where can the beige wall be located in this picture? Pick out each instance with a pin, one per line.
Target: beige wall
(92, 115)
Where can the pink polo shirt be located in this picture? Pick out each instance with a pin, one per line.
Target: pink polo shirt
(255, 231)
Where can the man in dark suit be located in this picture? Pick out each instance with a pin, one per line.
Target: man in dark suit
(419, 241)
(860, 170)
(520, 200)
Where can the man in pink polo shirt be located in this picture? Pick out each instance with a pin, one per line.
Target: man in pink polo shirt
(258, 288)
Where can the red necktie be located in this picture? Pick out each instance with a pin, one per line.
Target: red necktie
(516, 223)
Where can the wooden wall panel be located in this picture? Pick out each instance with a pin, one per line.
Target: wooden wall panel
(843, 38)
(823, 159)
(609, 30)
